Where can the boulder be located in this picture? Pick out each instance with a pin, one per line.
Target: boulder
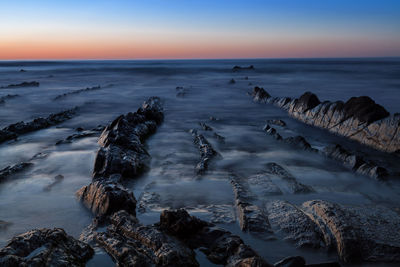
(45, 247)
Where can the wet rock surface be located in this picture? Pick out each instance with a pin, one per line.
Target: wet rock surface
(122, 151)
(81, 134)
(11, 170)
(14, 130)
(360, 118)
(357, 233)
(19, 85)
(207, 152)
(75, 92)
(45, 247)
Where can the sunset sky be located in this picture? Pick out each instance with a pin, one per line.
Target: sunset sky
(152, 29)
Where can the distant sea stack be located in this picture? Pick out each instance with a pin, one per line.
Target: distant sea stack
(360, 118)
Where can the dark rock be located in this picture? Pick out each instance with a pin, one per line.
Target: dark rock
(324, 264)
(57, 180)
(181, 91)
(45, 247)
(220, 246)
(213, 118)
(306, 102)
(294, 186)
(207, 152)
(22, 70)
(11, 170)
(23, 84)
(205, 127)
(298, 141)
(220, 138)
(364, 109)
(75, 92)
(131, 243)
(277, 122)
(232, 81)
(104, 198)
(238, 68)
(355, 162)
(294, 261)
(14, 130)
(80, 135)
(272, 131)
(260, 95)
(122, 151)
(3, 98)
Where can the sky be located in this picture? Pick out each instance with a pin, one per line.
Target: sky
(185, 29)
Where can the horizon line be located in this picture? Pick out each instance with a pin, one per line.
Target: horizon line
(178, 59)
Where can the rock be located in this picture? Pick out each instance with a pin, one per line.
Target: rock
(293, 224)
(213, 118)
(299, 142)
(277, 122)
(207, 152)
(22, 70)
(252, 219)
(260, 95)
(220, 246)
(149, 201)
(238, 68)
(181, 91)
(4, 225)
(104, 198)
(262, 185)
(130, 242)
(294, 186)
(272, 131)
(11, 170)
(355, 162)
(45, 247)
(219, 138)
(294, 261)
(360, 118)
(358, 233)
(205, 127)
(324, 264)
(232, 81)
(122, 150)
(75, 92)
(57, 179)
(14, 130)
(23, 84)
(3, 98)
(80, 135)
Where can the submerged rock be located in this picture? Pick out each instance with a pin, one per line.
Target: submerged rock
(14, 130)
(11, 170)
(3, 98)
(355, 162)
(57, 180)
(45, 247)
(75, 92)
(294, 186)
(23, 84)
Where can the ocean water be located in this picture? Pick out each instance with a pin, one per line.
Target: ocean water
(207, 92)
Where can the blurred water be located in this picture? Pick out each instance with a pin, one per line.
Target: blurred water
(125, 84)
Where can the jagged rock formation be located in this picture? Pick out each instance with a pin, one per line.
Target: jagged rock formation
(75, 92)
(360, 118)
(45, 247)
(14, 130)
(19, 85)
(207, 152)
(355, 162)
(11, 170)
(220, 246)
(122, 154)
(358, 233)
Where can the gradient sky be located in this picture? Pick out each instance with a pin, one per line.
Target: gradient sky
(150, 29)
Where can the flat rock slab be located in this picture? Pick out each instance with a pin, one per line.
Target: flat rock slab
(45, 247)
